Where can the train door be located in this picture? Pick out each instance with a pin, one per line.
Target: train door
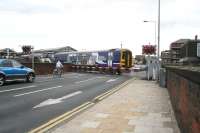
(110, 58)
(129, 59)
(122, 60)
(126, 59)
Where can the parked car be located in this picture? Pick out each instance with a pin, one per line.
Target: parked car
(138, 68)
(11, 70)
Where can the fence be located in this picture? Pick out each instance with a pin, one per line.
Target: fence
(46, 68)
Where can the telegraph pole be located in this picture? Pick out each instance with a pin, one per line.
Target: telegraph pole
(32, 57)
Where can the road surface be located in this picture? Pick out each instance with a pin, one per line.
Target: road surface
(25, 106)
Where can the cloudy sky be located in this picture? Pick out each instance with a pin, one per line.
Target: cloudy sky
(95, 24)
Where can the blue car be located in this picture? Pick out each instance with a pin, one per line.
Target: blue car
(11, 70)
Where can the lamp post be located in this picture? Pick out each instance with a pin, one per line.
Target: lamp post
(158, 29)
(158, 45)
(151, 21)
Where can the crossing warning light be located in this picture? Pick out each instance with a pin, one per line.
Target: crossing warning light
(149, 49)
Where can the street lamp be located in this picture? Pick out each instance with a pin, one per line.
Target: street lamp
(151, 21)
(158, 46)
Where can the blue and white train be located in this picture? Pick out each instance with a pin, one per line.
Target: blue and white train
(113, 58)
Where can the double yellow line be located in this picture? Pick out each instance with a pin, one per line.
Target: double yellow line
(52, 123)
(106, 94)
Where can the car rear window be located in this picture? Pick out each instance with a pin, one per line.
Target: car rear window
(6, 63)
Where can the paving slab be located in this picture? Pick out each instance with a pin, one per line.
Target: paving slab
(139, 107)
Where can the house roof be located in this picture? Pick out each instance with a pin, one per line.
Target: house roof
(59, 49)
(5, 50)
(182, 41)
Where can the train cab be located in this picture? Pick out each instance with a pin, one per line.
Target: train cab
(126, 58)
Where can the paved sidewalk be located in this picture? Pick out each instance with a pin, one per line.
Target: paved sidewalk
(139, 107)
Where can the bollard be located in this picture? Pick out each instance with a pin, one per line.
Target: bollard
(162, 77)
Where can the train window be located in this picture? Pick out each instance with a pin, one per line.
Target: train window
(116, 56)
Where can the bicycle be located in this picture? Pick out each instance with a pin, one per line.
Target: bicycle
(57, 72)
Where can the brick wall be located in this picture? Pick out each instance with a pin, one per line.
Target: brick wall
(46, 68)
(185, 97)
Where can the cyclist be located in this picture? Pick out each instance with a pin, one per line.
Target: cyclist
(59, 67)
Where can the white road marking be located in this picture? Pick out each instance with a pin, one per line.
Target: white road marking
(58, 100)
(111, 80)
(87, 80)
(51, 79)
(18, 88)
(75, 76)
(37, 91)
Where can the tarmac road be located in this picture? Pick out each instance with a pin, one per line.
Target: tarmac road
(25, 106)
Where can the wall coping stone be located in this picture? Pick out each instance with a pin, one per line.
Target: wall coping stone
(189, 72)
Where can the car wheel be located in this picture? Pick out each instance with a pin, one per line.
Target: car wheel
(2, 80)
(30, 78)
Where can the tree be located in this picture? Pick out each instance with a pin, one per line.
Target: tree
(26, 49)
